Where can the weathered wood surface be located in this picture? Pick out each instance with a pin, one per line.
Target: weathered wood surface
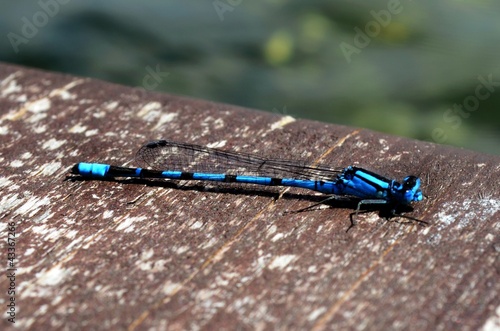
(121, 255)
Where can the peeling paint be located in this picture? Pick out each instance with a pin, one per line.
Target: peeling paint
(78, 128)
(38, 106)
(50, 168)
(284, 121)
(33, 205)
(53, 276)
(128, 224)
(453, 211)
(280, 262)
(185, 256)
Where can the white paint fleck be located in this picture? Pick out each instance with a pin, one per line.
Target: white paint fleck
(112, 105)
(9, 201)
(316, 313)
(218, 123)
(149, 109)
(272, 229)
(37, 117)
(22, 98)
(40, 129)
(71, 234)
(196, 225)
(53, 144)
(277, 237)
(99, 114)
(10, 86)
(395, 158)
(262, 261)
(491, 205)
(26, 156)
(78, 129)
(165, 118)
(50, 168)
(63, 92)
(385, 145)
(33, 205)
(90, 133)
(53, 276)
(285, 120)
(159, 265)
(16, 164)
(361, 144)
(280, 262)
(40, 229)
(65, 95)
(170, 288)
(14, 188)
(492, 323)
(246, 301)
(181, 249)
(434, 239)
(127, 225)
(151, 116)
(108, 214)
(217, 144)
(38, 106)
(4, 130)
(210, 243)
(205, 297)
(76, 241)
(143, 263)
(53, 234)
(146, 255)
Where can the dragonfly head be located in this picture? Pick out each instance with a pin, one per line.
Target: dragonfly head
(410, 189)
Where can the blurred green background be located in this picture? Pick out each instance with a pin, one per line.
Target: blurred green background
(423, 69)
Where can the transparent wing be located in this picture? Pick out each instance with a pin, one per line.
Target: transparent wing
(169, 155)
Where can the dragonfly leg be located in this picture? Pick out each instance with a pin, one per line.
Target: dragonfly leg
(419, 222)
(358, 209)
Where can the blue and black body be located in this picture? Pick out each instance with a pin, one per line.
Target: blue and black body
(181, 161)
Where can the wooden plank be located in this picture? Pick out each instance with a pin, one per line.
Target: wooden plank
(157, 255)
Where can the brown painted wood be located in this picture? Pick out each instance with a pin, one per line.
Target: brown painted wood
(156, 255)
